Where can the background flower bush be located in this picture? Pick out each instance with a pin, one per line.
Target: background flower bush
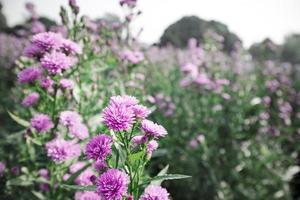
(86, 107)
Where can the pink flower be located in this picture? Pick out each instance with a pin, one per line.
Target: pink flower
(31, 99)
(41, 123)
(152, 129)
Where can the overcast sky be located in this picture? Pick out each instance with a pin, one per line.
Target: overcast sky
(252, 20)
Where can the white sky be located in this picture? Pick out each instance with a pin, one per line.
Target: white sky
(252, 20)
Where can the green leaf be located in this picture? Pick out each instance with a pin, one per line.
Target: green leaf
(17, 119)
(38, 195)
(166, 177)
(135, 157)
(161, 173)
(79, 187)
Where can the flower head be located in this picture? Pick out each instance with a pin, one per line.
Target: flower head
(151, 146)
(41, 123)
(155, 192)
(79, 130)
(29, 75)
(66, 83)
(31, 99)
(46, 82)
(124, 100)
(56, 62)
(152, 129)
(118, 117)
(60, 150)
(70, 47)
(69, 118)
(47, 40)
(112, 185)
(99, 147)
(140, 111)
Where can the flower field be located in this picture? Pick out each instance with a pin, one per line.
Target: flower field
(90, 113)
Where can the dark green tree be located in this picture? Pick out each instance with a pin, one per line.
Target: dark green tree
(180, 32)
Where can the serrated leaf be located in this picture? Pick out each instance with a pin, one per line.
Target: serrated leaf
(19, 120)
(79, 187)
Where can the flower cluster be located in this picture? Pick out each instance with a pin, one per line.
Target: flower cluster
(122, 112)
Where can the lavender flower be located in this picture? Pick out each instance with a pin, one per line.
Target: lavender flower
(112, 185)
(155, 192)
(60, 150)
(56, 62)
(99, 147)
(29, 75)
(41, 123)
(152, 129)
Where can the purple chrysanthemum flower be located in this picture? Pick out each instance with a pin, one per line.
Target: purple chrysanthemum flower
(99, 147)
(139, 139)
(56, 62)
(140, 111)
(33, 51)
(69, 118)
(112, 185)
(79, 131)
(46, 82)
(41, 123)
(70, 47)
(87, 195)
(47, 40)
(31, 99)
(29, 75)
(155, 192)
(60, 150)
(151, 146)
(118, 117)
(66, 83)
(125, 100)
(152, 129)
